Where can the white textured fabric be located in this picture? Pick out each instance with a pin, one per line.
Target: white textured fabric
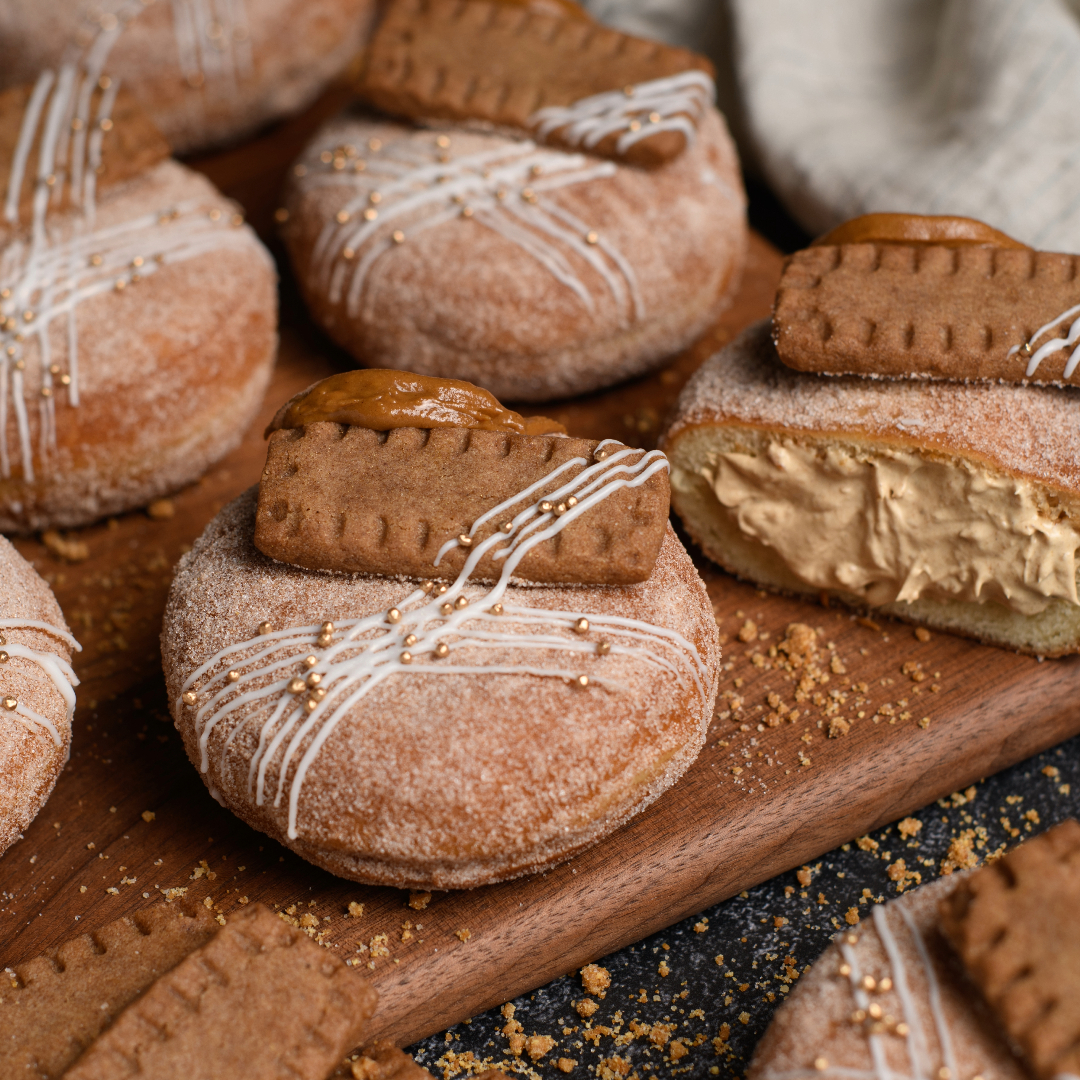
(929, 106)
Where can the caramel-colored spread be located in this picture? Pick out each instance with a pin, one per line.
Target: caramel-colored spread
(915, 229)
(894, 524)
(565, 8)
(384, 398)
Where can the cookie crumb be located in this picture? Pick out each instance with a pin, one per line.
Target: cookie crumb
(463, 934)
(161, 509)
(64, 547)
(595, 979)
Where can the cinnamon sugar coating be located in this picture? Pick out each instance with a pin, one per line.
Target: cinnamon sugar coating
(531, 272)
(171, 367)
(207, 74)
(451, 780)
(832, 1027)
(30, 760)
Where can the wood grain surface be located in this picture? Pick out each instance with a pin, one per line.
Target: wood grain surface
(923, 718)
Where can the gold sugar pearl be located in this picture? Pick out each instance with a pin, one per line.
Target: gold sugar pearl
(852, 939)
(442, 142)
(406, 657)
(50, 180)
(528, 195)
(821, 1064)
(359, 166)
(326, 157)
(561, 509)
(442, 649)
(137, 261)
(375, 198)
(427, 587)
(310, 661)
(296, 686)
(603, 648)
(441, 588)
(944, 1073)
(885, 985)
(845, 970)
(281, 215)
(902, 1030)
(106, 124)
(1026, 348)
(410, 640)
(581, 626)
(28, 316)
(342, 216)
(95, 260)
(215, 215)
(323, 640)
(628, 90)
(572, 501)
(858, 1016)
(874, 1011)
(634, 125)
(654, 118)
(339, 163)
(397, 236)
(501, 194)
(507, 526)
(46, 392)
(465, 540)
(120, 285)
(496, 609)
(446, 609)
(311, 704)
(10, 703)
(188, 697)
(233, 676)
(76, 124)
(314, 679)
(318, 693)
(375, 145)
(467, 211)
(393, 615)
(370, 214)
(327, 628)
(348, 254)
(266, 627)
(54, 369)
(582, 680)
(546, 507)
(869, 983)
(592, 238)
(20, 365)
(4, 658)
(300, 170)
(461, 602)
(65, 380)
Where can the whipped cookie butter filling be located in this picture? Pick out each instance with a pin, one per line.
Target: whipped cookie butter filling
(897, 525)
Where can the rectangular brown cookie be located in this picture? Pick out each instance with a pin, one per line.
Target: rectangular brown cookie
(260, 1001)
(130, 145)
(1015, 925)
(53, 1007)
(337, 497)
(501, 63)
(927, 310)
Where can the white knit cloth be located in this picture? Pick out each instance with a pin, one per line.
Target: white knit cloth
(930, 106)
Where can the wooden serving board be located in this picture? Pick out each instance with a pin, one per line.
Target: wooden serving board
(131, 814)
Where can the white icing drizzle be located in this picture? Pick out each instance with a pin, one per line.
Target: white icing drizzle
(404, 188)
(55, 666)
(367, 651)
(1054, 344)
(213, 42)
(46, 275)
(675, 103)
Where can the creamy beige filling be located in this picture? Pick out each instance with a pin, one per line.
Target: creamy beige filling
(897, 525)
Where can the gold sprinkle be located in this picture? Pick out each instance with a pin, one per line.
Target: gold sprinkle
(868, 982)
(592, 238)
(311, 704)
(375, 144)
(375, 198)
(326, 157)
(120, 285)
(10, 703)
(46, 392)
(266, 627)
(501, 194)
(561, 509)
(339, 163)
(441, 588)
(442, 142)
(496, 609)
(65, 380)
(944, 1073)
(852, 939)
(410, 640)
(314, 679)
(328, 627)
(427, 586)
(398, 236)
(323, 640)
(348, 254)
(821, 1064)
(546, 507)
(654, 118)
(318, 693)
(572, 501)
(20, 365)
(50, 180)
(874, 1011)
(299, 170)
(406, 657)
(310, 661)
(582, 680)
(370, 214)
(359, 166)
(467, 211)
(1026, 348)
(528, 195)
(76, 124)
(603, 648)
(28, 316)
(885, 985)
(628, 91)
(465, 540)
(393, 615)
(507, 526)
(461, 602)
(296, 686)
(281, 215)
(4, 658)
(446, 609)
(105, 82)
(581, 626)
(442, 649)
(600, 455)
(536, 170)
(214, 215)
(858, 1016)
(342, 216)
(902, 1029)
(137, 261)
(189, 697)
(845, 970)
(106, 124)
(233, 676)
(634, 125)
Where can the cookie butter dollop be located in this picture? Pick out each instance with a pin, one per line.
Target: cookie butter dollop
(896, 524)
(939, 230)
(384, 398)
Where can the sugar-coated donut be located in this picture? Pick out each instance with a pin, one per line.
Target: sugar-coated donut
(447, 752)
(208, 73)
(37, 696)
(530, 271)
(135, 347)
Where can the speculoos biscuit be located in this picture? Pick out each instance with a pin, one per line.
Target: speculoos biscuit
(1014, 925)
(510, 66)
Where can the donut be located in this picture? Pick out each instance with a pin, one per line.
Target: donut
(37, 696)
(430, 735)
(532, 271)
(137, 321)
(954, 505)
(887, 998)
(207, 73)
